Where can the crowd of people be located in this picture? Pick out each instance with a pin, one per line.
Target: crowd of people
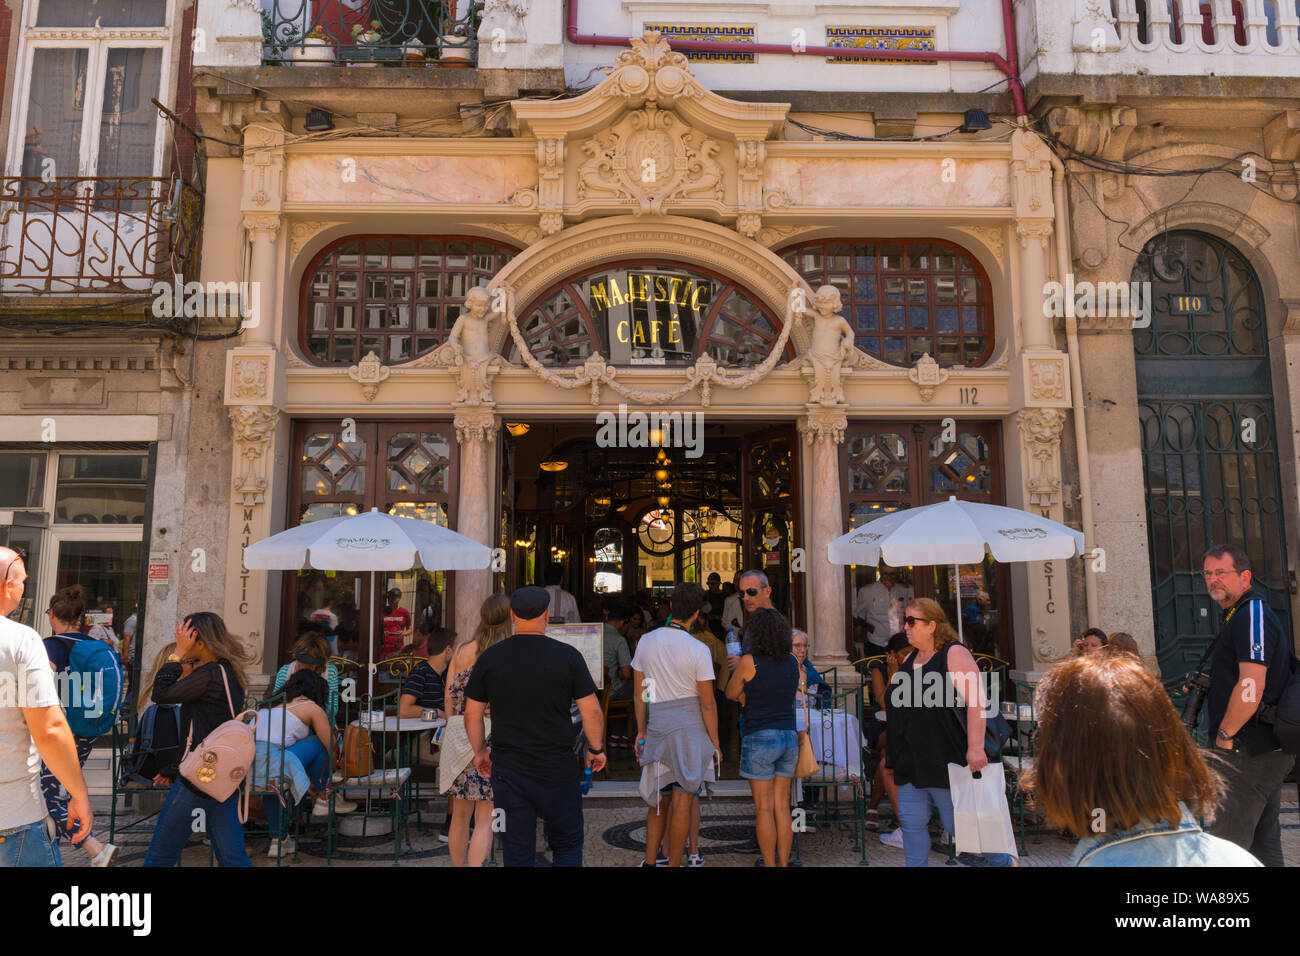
(1114, 764)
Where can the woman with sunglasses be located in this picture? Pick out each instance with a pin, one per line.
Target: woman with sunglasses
(923, 738)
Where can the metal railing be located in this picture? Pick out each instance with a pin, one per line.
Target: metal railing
(369, 32)
(93, 234)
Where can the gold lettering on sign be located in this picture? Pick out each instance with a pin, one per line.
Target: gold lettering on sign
(676, 282)
(615, 294)
(620, 330)
(598, 295)
(661, 288)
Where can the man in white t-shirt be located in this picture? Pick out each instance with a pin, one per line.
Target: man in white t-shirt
(677, 723)
(882, 604)
(32, 729)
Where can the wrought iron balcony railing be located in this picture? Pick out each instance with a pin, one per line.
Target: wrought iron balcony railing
(370, 32)
(107, 235)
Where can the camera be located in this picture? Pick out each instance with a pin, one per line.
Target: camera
(1197, 687)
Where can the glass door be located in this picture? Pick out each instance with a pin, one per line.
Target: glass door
(770, 526)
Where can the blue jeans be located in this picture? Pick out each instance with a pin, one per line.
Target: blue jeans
(914, 817)
(522, 801)
(316, 760)
(177, 823)
(29, 845)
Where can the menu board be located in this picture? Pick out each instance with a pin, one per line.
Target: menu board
(589, 639)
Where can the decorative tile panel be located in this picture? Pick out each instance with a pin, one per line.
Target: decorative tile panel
(708, 31)
(880, 38)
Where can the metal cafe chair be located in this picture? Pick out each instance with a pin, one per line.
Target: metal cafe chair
(835, 726)
(388, 780)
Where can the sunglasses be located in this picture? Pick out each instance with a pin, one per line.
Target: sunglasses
(910, 621)
(752, 592)
(20, 555)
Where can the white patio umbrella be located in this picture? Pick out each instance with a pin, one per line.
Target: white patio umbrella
(371, 541)
(956, 532)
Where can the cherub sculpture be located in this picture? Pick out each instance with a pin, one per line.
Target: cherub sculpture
(469, 349)
(831, 348)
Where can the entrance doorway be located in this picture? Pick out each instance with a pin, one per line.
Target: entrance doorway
(637, 518)
(632, 518)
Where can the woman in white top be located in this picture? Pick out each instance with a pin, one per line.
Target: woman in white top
(301, 727)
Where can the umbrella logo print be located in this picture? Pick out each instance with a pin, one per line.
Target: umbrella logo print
(1020, 534)
(362, 544)
(867, 536)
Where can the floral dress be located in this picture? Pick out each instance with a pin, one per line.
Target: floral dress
(469, 785)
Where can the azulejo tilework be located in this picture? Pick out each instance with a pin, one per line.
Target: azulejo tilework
(708, 31)
(880, 38)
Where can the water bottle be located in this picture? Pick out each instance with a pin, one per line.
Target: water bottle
(733, 643)
(586, 781)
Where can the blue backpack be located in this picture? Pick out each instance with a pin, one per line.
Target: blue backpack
(96, 686)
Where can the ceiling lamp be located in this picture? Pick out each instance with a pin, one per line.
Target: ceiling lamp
(518, 429)
(661, 475)
(661, 458)
(663, 501)
(601, 501)
(550, 462)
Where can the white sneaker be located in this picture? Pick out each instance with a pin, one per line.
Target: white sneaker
(105, 856)
(281, 848)
(893, 838)
(321, 808)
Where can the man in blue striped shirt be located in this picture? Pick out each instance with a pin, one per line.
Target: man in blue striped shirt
(1250, 665)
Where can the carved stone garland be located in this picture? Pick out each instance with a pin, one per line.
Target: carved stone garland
(1041, 430)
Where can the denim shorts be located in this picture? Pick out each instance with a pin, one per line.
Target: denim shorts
(28, 845)
(769, 753)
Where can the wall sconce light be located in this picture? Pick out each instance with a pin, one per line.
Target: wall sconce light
(318, 121)
(518, 429)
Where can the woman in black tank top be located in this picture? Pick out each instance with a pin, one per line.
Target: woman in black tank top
(765, 682)
(935, 708)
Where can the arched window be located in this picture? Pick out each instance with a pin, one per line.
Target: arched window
(396, 296)
(1175, 21)
(905, 297)
(648, 313)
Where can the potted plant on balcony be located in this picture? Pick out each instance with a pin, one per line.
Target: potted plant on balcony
(315, 49)
(413, 51)
(455, 45)
(368, 40)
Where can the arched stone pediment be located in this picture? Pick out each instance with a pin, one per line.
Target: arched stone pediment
(650, 140)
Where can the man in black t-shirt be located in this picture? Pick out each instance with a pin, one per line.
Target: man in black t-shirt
(1250, 666)
(529, 682)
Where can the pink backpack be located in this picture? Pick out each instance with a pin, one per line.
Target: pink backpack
(221, 762)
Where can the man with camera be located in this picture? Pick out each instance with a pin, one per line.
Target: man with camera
(1250, 664)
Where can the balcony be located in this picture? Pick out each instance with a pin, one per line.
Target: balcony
(85, 235)
(411, 33)
(1220, 38)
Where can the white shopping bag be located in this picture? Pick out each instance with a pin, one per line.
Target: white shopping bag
(980, 812)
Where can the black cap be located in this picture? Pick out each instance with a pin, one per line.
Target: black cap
(530, 602)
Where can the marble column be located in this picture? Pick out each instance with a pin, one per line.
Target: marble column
(261, 325)
(823, 431)
(476, 429)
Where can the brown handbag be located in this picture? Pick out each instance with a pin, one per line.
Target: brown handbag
(806, 766)
(357, 753)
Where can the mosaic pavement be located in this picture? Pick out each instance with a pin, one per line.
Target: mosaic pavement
(615, 836)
